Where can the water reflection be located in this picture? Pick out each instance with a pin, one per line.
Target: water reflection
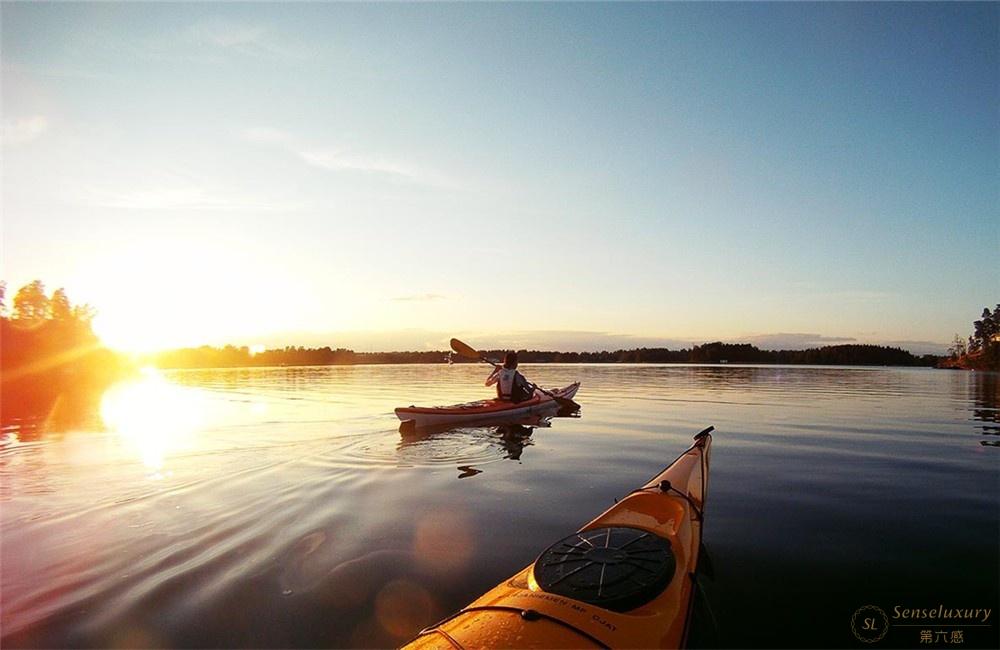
(27, 419)
(986, 403)
(470, 447)
(505, 438)
(291, 513)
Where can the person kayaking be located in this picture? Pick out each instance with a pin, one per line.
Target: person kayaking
(511, 385)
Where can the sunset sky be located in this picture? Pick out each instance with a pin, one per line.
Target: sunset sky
(571, 176)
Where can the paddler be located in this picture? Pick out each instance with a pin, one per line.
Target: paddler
(511, 384)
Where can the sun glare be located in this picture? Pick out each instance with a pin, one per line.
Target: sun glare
(152, 416)
(139, 332)
(147, 301)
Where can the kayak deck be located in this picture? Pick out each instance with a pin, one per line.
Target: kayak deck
(624, 580)
(424, 416)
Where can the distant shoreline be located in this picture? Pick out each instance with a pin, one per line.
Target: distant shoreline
(742, 364)
(710, 353)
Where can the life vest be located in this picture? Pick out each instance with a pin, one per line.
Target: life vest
(505, 383)
(512, 386)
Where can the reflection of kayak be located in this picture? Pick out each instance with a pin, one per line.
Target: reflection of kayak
(541, 418)
(443, 442)
(426, 416)
(509, 435)
(626, 579)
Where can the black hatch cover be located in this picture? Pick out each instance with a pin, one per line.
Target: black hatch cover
(616, 568)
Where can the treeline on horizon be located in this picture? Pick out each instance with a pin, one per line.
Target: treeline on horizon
(718, 352)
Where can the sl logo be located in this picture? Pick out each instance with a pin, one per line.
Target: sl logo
(869, 623)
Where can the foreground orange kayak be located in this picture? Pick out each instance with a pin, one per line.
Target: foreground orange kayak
(625, 580)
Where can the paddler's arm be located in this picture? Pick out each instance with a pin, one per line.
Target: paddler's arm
(494, 376)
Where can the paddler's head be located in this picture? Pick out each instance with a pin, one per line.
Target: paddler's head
(510, 360)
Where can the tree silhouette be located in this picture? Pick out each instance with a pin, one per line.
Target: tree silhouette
(60, 307)
(958, 347)
(986, 330)
(31, 304)
(54, 367)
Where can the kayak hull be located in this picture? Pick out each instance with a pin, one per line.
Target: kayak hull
(485, 410)
(519, 612)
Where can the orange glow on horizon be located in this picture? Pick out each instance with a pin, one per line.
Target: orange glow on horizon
(148, 299)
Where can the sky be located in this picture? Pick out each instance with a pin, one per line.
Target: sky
(567, 176)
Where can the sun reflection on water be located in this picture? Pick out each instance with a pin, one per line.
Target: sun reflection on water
(152, 416)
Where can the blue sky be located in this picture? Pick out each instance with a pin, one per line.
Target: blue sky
(556, 175)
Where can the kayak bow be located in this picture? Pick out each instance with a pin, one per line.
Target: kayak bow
(625, 580)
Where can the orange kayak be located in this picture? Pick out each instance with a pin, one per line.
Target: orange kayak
(625, 580)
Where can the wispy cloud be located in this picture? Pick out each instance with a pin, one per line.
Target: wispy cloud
(23, 130)
(420, 297)
(244, 38)
(344, 159)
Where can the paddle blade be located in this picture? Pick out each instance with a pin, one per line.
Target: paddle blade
(464, 350)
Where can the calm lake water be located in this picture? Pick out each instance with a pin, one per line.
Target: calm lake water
(282, 508)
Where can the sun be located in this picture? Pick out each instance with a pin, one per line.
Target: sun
(142, 332)
(151, 300)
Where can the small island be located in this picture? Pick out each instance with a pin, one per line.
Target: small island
(981, 351)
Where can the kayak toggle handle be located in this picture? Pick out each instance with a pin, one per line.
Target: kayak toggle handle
(665, 487)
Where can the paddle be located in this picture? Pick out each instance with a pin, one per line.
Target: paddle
(469, 352)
